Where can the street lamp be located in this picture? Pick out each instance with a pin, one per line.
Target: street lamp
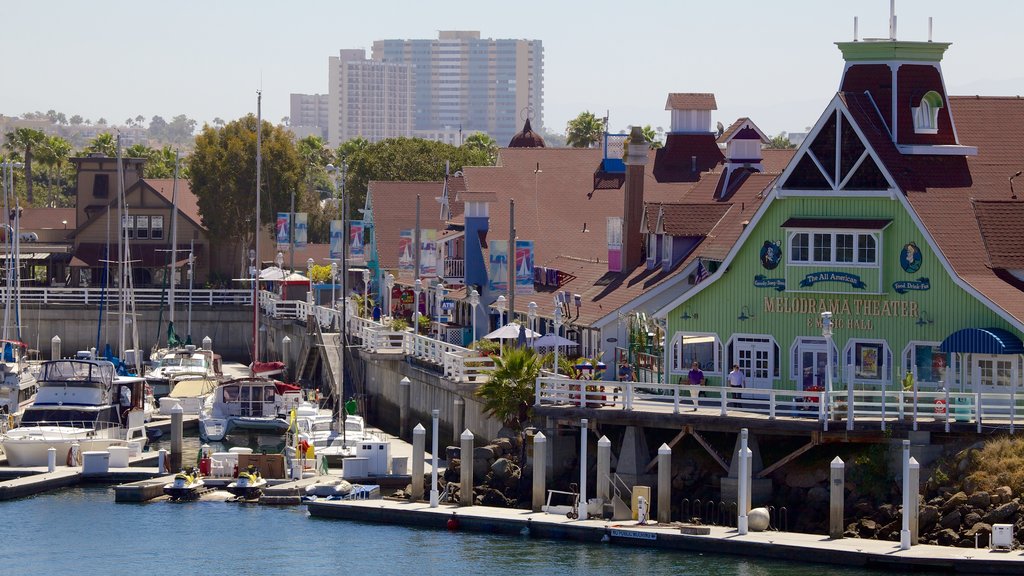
(531, 315)
(826, 331)
(474, 301)
(334, 274)
(440, 302)
(417, 287)
(366, 292)
(499, 304)
(309, 276)
(279, 260)
(191, 265)
(389, 281)
(558, 327)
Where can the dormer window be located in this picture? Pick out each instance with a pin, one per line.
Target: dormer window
(926, 115)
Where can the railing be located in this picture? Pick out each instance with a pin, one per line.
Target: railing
(144, 296)
(454, 268)
(843, 408)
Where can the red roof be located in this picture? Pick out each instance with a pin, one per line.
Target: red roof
(188, 203)
(691, 101)
(1002, 229)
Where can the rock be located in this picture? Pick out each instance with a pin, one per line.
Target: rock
(485, 453)
(806, 478)
(972, 518)
(980, 499)
(1002, 513)
(978, 528)
(954, 502)
(504, 446)
(951, 521)
(970, 485)
(1003, 493)
(451, 473)
(481, 468)
(817, 495)
(505, 474)
(947, 537)
(491, 497)
(927, 518)
(886, 513)
(452, 453)
(866, 528)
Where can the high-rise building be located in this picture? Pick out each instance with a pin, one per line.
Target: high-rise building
(461, 82)
(367, 98)
(309, 115)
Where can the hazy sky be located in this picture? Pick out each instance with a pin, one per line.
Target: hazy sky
(774, 61)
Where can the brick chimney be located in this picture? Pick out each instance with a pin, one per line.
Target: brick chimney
(633, 204)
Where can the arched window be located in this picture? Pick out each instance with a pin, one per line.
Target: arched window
(926, 115)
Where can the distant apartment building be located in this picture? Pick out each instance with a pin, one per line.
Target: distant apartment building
(368, 98)
(461, 80)
(309, 115)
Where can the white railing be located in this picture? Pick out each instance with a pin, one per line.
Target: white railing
(454, 268)
(842, 408)
(154, 296)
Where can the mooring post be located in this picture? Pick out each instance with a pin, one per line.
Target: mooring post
(604, 467)
(434, 496)
(177, 415)
(582, 507)
(55, 348)
(915, 497)
(466, 468)
(742, 502)
(51, 459)
(419, 438)
(837, 490)
(905, 532)
(404, 387)
(540, 467)
(458, 418)
(286, 345)
(664, 484)
(161, 460)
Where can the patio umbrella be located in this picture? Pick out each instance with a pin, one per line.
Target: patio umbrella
(521, 338)
(550, 340)
(510, 332)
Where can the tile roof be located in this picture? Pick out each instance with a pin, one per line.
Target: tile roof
(394, 207)
(1002, 230)
(691, 101)
(734, 129)
(188, 203)
(46, 218)
(690, 219)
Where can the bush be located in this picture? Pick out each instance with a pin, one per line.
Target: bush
(486, 347)
(999, 463)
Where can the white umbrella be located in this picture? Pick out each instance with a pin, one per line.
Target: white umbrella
(550, 340)
(509, 332)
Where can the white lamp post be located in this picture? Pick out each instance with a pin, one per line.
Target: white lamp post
(309, 275)
(531, 315)
(389, 281)
(474, 301)
(279, 260)
(440, 301)
(558, 326)
(499, 305)
(417, 287)
(366, 293)
(334, 274)
(191, 265)
(826, 331)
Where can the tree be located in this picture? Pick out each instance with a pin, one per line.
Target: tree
(584, 130)
(222, 173)
(54, 153)
(21, 141)
(157, 128)
(315, 157)
(181, 129)
(652, 137)
(780, 142)
(103, 143)
(483, 142)
(139, 120)
(508, 393)
(77, 120)
(218, 122)
(286, 121)
(101, 122)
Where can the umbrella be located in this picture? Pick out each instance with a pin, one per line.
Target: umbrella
(521, 338)
(510, 332)
(550, 340)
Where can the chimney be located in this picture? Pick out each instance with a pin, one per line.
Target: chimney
(633, 205)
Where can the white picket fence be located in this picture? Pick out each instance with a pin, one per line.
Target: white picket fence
(141, 296)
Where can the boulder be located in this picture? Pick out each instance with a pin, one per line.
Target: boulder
(817, 495)
(485, 453)
(866, 528)
(979, 499)
(451, 473)
(886, 513)
(492, 497)
(1000, 514)
(927, 518)
(955, 501)
(1002, 495)
(947, 537)
(505, 474)
(806, 478)
(504, 446)
(452, 453)
(972, 518)
(951, 521)
(978, 528)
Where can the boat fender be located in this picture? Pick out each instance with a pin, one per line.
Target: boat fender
(453, 523)
(70, 458)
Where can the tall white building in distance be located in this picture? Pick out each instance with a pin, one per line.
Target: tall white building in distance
(368, 98)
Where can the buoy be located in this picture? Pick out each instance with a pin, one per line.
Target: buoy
(453, 523)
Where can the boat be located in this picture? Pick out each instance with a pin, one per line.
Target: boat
(249, 485)
(186, 485)
(180, 362)
(18, 383)
(188, 392)
(321, 433)
(79, 401)
(251, 404)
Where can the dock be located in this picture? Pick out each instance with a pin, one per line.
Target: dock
(791, 546)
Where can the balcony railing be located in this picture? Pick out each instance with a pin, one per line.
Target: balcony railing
(141, 296)
(454, 268)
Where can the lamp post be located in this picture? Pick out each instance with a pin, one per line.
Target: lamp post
(558, 326)
(309, 275)
(417, 287)
(366, 292)
(499, 304)
(826, 331)
(531, 316)
(191, 265)
(279, 260)
(440, 302)
(255, 306)
(389, 281)
(474, 301)
(334, 275)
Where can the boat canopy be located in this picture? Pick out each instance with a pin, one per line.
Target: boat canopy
(193, 388)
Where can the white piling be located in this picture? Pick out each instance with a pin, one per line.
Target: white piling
(905, 532)
(51, 459)
(604, 466)
(540, 463)
(434, 496)
(55, 348)
(583, 470)
(837, 489)
(742, 499)
(161, 460)
(419, 434)
(466, 469)
(664, 484)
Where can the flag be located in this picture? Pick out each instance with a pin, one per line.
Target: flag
(702, 272)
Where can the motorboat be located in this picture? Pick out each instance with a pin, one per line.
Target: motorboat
(327, 439)
(189, 393)
(252, 404)
(184, 361)
(17, 382)
(186, 485)
(79, 401)
(249, 485)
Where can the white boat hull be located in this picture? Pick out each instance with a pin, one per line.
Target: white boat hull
(28, 447)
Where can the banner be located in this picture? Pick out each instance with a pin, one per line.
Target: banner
(524, 266)
(284, 232)
(301, 227)
(356, 247)
(406, 256)
(498, 257)
(337, 237)
(428, 254)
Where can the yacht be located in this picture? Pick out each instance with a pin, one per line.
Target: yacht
(79, 401)
(17, 383)
(182, 362)
(252, 404)
(321, 432)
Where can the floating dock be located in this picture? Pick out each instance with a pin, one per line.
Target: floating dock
(874, 554)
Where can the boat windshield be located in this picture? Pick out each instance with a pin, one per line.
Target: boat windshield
(183, 361)
(59, 371)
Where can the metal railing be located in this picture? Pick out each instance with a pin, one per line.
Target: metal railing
(143, 296)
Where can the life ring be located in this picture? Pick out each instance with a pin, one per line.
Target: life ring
(940, 406)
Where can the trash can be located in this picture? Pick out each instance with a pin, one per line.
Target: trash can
(95, 462)
(118, 456)
(963, 408)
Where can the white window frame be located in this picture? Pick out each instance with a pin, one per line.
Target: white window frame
(678, 364)
(926, 113)
(141, 228)
(774, 368)
(792, 233)
(129, 225)
(653, 254)
(885, 367)
(795, 374)
(908, 363)
(153, 227)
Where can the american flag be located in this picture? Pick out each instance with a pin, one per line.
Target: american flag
(702, 272)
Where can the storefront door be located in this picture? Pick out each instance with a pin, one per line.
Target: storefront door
(755, 361)
(993, 373)
(813, 366)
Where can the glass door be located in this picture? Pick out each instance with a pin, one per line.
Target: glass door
(813, 367)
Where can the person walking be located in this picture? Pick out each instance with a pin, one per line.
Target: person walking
(737, 381)
(696, 378)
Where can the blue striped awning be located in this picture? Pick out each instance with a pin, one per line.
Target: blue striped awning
(983, 341)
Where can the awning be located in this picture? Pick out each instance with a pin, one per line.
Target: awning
(841, 223)
(983, 341)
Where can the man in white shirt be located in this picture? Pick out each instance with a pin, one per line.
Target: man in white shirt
(737, 381)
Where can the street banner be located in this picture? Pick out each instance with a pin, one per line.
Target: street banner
(498, 257)
(428, 254)
(301, 227)
(337, 237)
(356, 250)
(284, 232)
(524, 266)
(406, 255)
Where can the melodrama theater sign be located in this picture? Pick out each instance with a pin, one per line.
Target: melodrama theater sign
(851, 313)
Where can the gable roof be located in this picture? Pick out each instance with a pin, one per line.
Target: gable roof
(734, 129)
(691, 101)
(1001, 223)
(188, 203)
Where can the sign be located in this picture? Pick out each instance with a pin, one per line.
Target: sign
(428, 254)
(406, 256)
(284, 233)
(301, 228)
(337, 237)
(904, 286)
(843, 277)
(524, 266)
(498, 259)
(355, 250)
(910, 258)
(616, 533)
(771, 254)
(761, 281)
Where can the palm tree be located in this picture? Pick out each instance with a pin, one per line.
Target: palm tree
(53, 153)
(482, 141)
(652, 137)
(508, 394)
(103, 143)
(21, 141)
(584, 130)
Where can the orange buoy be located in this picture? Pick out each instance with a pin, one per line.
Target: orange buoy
(453, 523)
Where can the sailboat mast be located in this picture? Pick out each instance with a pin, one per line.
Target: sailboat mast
(8, 235)
(256, 270)
(174, 237)
(121, 264)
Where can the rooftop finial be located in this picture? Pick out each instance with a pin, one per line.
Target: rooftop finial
(892, 19)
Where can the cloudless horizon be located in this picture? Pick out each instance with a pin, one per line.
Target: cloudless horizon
(775, 62)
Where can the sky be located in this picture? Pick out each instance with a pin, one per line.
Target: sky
(774, 61)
